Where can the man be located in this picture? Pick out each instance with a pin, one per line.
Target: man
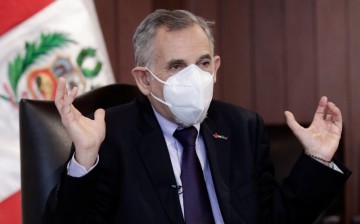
(136, 165)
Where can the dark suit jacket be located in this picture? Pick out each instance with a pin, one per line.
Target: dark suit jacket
(133, 181)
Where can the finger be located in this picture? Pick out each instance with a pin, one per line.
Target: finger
(72, 95)
(292, 123)
(61, 91)
(63, 100)
(99, 115)
(334, 114)
(335, 111)
(69, 99)
(321, 109)
(332, 111)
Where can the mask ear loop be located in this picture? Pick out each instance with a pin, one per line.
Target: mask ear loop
(153, 95)
(160, 100)
(157, 78)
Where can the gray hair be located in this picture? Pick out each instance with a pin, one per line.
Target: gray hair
(173, 20)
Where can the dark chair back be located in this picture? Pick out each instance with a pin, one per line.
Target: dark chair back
(45, 145)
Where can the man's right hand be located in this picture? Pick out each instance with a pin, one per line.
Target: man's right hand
(86, 134)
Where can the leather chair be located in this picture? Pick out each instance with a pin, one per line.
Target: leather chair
(45, 145)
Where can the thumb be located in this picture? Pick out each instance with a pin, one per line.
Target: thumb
(292, 123)
(99, 115)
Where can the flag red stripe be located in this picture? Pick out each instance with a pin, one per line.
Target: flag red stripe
(13, 12)
(10, 210)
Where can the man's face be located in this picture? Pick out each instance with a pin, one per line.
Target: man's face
(174, 51)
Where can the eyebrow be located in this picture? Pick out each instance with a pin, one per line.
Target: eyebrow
(183, 62)
(175, 61)
(205, 56)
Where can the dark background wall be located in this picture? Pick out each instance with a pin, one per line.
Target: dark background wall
(276, 55)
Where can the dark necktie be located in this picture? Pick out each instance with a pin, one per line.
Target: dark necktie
(197, 208)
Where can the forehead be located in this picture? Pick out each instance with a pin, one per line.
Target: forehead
(187, 44)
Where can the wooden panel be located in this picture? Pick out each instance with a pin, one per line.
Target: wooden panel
(106, 14)
(166, 4)
(331, 43)
(269, 60)
(352, 155)
(209, 12)
(129, 14)
(332, 65)
(234, 35)
(301, 88)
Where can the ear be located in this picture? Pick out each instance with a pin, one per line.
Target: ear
(217, 62)
(142, 79)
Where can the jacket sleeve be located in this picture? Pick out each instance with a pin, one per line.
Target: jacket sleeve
(301, 196)
(87, 199)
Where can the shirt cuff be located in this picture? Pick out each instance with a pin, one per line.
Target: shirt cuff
(332, 165)
(335, 167)
(74, 169)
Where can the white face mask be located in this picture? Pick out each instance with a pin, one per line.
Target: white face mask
(187, 94)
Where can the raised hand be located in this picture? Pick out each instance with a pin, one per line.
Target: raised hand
(86, 134)
(322, 137)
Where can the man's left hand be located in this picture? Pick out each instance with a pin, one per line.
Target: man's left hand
(321, 138)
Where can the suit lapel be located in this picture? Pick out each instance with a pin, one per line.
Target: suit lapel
(155, 156)
(218, 153)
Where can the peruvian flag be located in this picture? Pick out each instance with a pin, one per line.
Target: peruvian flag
(40, 41)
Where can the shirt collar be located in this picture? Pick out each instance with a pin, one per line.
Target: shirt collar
(168, 128)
